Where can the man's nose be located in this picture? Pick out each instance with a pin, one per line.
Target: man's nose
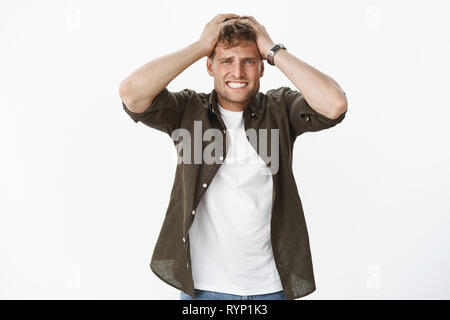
(238, 70)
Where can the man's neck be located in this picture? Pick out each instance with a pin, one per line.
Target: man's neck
(236, 107)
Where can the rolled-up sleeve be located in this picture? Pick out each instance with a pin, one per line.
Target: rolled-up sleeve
(302, 117)
(165, 111)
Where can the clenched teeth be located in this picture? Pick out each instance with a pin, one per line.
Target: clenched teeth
(236, 84)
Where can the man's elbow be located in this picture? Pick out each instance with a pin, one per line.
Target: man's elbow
(337, 113)
(125, 96)
(340, 108)
(124, 90)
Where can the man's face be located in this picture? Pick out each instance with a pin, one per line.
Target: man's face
(241, 64)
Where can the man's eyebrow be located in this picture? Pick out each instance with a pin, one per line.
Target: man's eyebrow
(253, 58)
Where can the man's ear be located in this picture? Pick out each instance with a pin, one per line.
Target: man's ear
(209, 66)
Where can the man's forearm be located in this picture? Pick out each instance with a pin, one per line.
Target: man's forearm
(146, 82)
(321, 92)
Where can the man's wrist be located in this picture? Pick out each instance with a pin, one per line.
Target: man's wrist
(266, 51)
(200, 49)
(273, 51)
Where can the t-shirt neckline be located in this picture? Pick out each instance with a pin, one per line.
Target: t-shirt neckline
(229, 112)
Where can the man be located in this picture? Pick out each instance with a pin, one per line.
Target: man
(232, 230)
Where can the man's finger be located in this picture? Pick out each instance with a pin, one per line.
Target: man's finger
(222, 17)
(231, 18)
(229, 15)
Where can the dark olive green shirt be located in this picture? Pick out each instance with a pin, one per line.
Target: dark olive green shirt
(284, 109)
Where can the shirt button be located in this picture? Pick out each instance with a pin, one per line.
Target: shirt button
(187, 265)
(221, 158)
(306, 117)
(184, 240)
(205, 185)
(224, 131)
(253, 114)
(193, 211)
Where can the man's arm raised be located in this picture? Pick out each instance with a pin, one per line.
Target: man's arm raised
(321, 92)
(139, 89)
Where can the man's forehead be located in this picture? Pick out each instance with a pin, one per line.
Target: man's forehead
(241, 51)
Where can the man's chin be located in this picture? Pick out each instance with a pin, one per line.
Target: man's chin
(236, 98)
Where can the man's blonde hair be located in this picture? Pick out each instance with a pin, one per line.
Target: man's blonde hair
(231, 35)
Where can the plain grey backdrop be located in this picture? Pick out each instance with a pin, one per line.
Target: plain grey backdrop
(84, 189)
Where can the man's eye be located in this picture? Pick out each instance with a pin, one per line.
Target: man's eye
(249, 61)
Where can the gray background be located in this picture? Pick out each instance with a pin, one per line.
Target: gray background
(83, 192)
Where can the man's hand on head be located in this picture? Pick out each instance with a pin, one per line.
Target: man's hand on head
(263, 40)
(210, 34)
(212, 29)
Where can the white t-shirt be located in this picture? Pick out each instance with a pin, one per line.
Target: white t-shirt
(230, 244)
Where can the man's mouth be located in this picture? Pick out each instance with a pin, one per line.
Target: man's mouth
(236, 84)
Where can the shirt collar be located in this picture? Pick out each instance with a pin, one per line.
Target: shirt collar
(253, 107)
